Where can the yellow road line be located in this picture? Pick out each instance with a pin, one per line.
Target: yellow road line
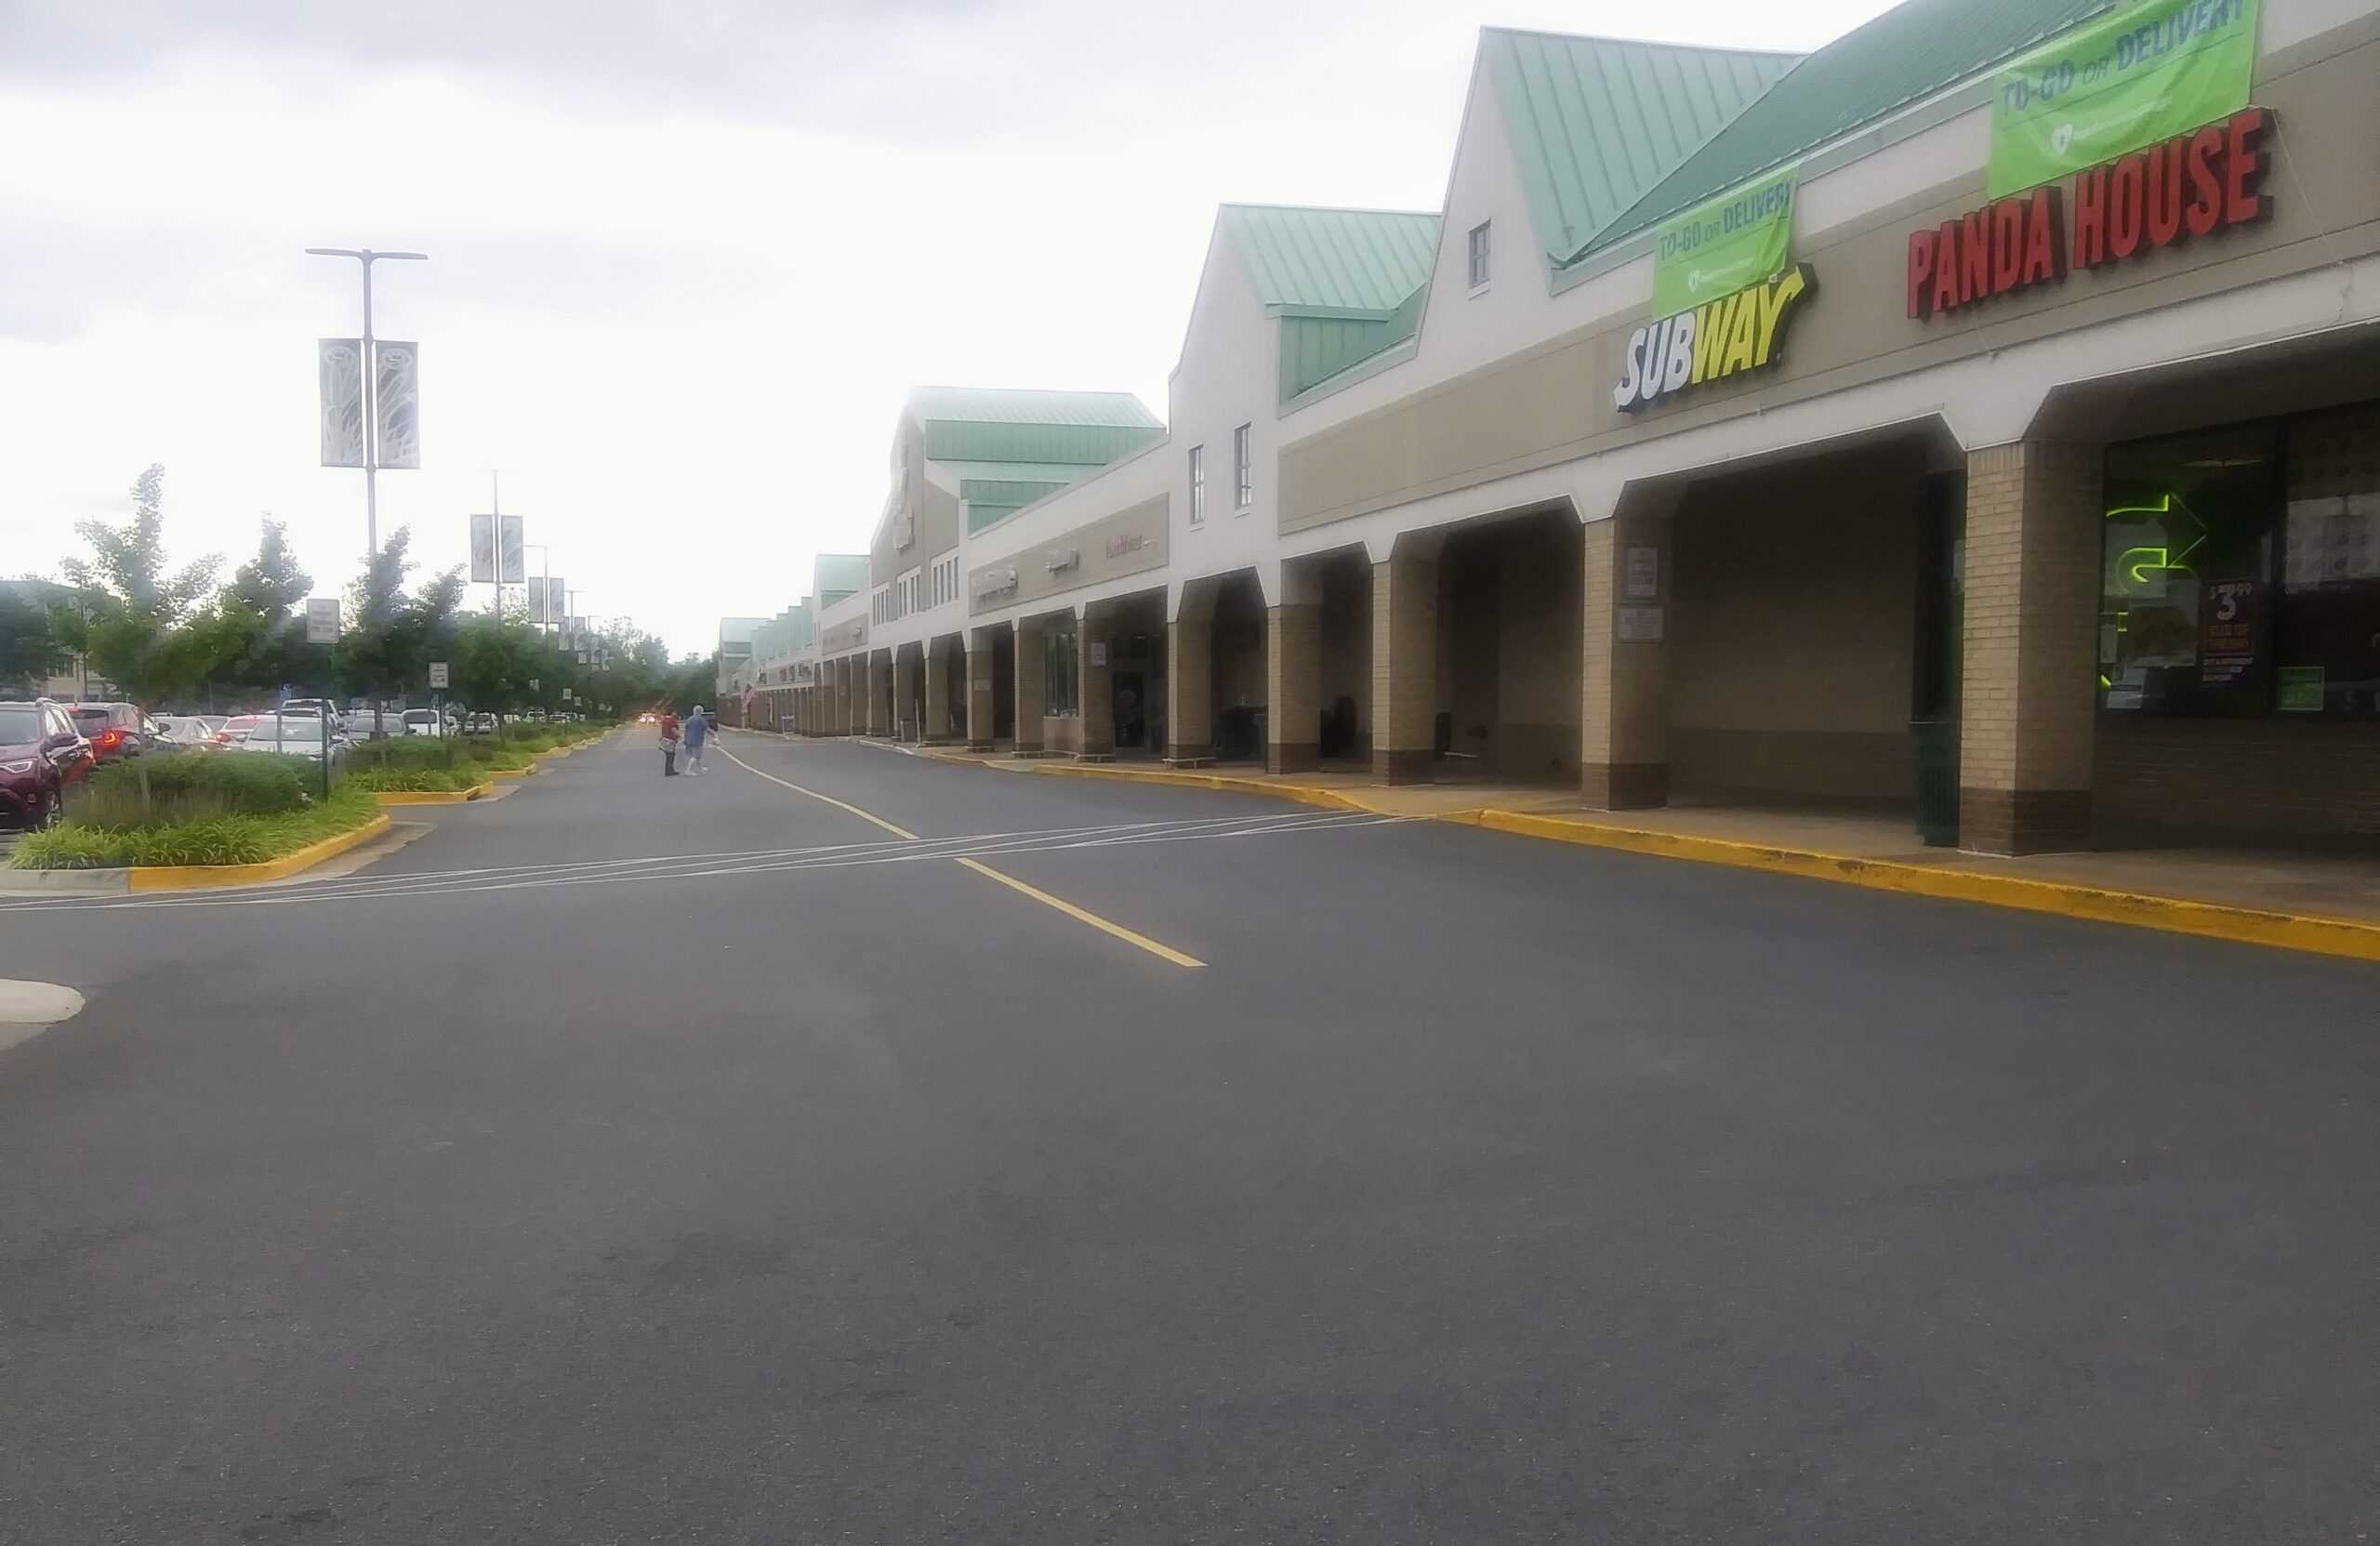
(1105, 926)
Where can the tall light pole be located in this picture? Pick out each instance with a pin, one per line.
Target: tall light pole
(366, 257)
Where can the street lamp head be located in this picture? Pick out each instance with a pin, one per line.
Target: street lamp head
(364, 255)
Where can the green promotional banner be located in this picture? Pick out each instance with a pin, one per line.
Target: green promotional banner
(1730, 243)
(2137, 76)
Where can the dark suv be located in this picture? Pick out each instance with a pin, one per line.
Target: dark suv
(41, 755)
(115, 730)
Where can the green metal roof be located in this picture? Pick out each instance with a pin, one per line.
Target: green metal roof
(843, 572)
(1912, 51)
(968, 470)
(1595, 122)
(1347, 260)
(1027, 405)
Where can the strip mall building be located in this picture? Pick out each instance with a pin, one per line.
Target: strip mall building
(2065, 495)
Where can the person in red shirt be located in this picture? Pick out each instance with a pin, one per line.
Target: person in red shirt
(669, 745)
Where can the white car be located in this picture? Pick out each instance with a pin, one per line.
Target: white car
(426, 721)
(293, 735)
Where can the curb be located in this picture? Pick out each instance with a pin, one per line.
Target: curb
(2319, 935)
(27, 882)
(1328, 799)
(2313, 933)
(432, 796)
(167, 877)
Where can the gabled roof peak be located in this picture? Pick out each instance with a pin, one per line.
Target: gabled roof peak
(1360, 261)
(1595, 123)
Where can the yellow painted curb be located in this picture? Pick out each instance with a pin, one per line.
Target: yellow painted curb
(1304, 794)
(2326, 936)
(172, 878)
(513, 772)
(431, 796)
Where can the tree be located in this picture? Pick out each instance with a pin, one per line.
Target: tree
(135, 636)
(374, 651)
(127, 562)
(253, 640)
(38, 634)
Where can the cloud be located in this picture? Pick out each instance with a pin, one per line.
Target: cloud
(895, 69)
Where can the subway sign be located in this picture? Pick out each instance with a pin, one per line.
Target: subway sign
(2207, 180)
(1737, 333)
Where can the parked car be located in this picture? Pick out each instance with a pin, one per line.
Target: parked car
(233, 731)
(184, 733)
(41, 755)
(294, 735)
(115, 730)
(427, 721)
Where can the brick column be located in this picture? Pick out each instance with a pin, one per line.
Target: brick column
(2030, 661)
(1098, 705)
(937, 723)
(1623, 658)
(1032, 687)
(1190, 675)
(879, 694)
(1293, 687)
(981, 709)
(843, 725)
(1404, 665)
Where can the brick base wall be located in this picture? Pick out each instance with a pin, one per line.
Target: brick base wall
(1834, 764)
(2271, 780)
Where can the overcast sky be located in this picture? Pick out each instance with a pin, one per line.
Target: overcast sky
(687, 255)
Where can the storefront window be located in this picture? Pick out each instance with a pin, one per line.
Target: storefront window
(1062, 685)
(2240, 570)
(2328, 658)
(2186, 620)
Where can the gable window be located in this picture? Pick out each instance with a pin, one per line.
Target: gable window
(1198, 484)
(1480, 255)
(1243, 467)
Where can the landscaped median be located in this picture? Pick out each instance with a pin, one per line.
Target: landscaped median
(211, 810)
(438, 769)
(216, 818)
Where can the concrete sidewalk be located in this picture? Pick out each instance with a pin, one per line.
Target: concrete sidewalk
(2326, 903)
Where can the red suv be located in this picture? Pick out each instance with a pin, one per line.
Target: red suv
(116, 730)
(41, 754)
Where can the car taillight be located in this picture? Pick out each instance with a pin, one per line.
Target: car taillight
(109, 737)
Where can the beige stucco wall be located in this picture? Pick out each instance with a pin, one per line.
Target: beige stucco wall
(939, 517)
(1792, 628)
(1129, 542)
(1553, 404)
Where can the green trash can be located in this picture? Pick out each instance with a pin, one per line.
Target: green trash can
(1934, 755)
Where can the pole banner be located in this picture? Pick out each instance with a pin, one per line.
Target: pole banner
(482, 549)
(2140, 74)
(1738, 240)
(396, 403)
(339, 363)
(512, 552)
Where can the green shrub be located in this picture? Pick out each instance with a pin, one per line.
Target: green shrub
(416, 780)
(407, 751)
(210, 839)
(190, 785)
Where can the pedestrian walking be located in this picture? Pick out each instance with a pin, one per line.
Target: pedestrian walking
(669, 745)
(698, 729)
